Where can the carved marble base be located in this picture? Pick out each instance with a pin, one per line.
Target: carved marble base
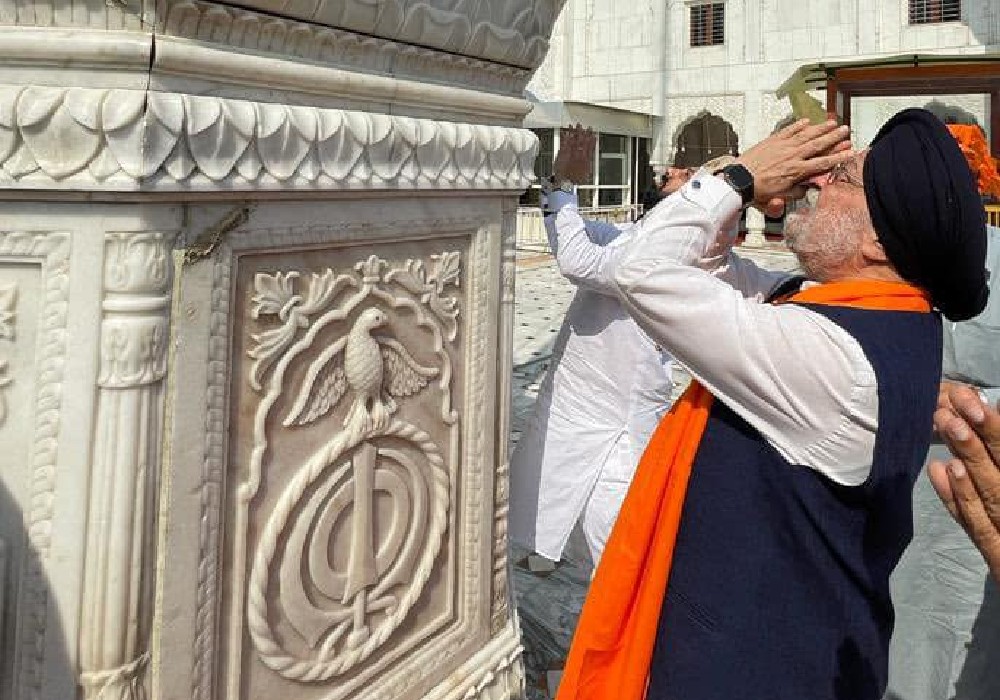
(256, 283)
(341, 381)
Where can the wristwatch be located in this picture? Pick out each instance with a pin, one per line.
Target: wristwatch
(740, 179)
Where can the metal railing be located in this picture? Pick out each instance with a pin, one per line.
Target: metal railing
(531, 222)
(993, 214)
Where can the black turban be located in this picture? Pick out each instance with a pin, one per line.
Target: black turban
(927, 212)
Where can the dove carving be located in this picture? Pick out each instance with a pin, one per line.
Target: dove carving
(374, 368)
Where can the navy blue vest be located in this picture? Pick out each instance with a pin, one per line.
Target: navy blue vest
(780, 583)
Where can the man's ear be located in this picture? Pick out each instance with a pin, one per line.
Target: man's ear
(872, 249)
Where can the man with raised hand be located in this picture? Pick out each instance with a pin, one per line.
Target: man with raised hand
(751, 558)
(604, 394)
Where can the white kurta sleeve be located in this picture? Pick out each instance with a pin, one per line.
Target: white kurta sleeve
(581, 248)
(794, 375)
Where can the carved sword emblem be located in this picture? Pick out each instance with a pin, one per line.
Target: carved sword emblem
(354, 535)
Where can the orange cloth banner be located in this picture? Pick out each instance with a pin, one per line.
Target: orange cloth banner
(613, 644)
(972, 140)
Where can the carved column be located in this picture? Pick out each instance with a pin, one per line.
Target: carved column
(505, 370)
(125, 466)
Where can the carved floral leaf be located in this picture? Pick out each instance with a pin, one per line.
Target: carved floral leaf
(274, 294)
(8, 297)
(447, 269)
(371, 269)
(446, 309)
(411, 276)
(5, 379)
(322, 289)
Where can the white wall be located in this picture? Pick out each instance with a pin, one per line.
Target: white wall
(610, 52)
(607, 52)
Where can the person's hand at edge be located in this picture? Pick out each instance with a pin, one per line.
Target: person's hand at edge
(969, 484)
(575, 160)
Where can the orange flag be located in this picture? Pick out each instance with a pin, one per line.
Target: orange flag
(613, 644)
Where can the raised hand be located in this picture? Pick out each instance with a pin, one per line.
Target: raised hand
(783, 161)
(969, 484)
(575, 160)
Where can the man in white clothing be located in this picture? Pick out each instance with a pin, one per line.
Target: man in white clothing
(608, 386)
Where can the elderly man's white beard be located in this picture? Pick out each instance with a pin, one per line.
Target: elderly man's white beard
(824, 241)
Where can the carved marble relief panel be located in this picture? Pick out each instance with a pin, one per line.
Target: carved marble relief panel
(33, 300)
(357, 497)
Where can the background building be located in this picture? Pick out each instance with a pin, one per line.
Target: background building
(682, 81)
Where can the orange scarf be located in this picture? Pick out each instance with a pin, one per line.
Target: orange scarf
(613, 644)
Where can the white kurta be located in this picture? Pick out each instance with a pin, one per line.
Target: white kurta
(797, 377)
(604, 395)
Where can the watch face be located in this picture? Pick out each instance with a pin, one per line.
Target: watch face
(739, 176)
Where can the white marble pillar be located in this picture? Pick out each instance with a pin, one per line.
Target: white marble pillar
(256, 296)
(125, 466)
(755, 228)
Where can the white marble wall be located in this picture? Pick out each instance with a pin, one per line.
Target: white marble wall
(637, 55)
(256, 275)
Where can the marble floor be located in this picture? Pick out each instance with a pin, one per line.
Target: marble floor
(549, 601)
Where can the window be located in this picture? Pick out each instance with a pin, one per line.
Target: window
(610, 184)
(543, 166)
(708, 24)
(612, 179)
(612, 170)
(934, 11)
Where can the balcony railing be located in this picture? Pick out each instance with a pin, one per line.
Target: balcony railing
(531, 224)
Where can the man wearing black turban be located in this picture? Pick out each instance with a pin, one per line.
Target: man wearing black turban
(818, 420)
(927, 212)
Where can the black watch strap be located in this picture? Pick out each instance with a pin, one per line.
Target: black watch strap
(740, 179)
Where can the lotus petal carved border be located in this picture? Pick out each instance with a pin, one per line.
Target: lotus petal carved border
(132, 140)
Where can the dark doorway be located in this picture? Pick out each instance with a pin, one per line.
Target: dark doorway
(705, 138)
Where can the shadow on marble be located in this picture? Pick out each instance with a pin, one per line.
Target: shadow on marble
(25, 586)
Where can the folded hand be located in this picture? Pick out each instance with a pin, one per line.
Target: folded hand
(969, 484)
